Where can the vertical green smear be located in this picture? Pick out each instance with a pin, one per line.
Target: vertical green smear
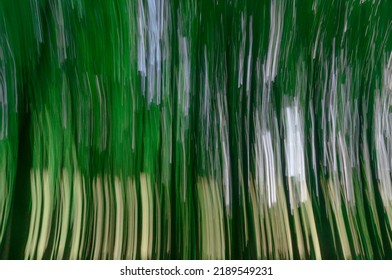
(192, 129)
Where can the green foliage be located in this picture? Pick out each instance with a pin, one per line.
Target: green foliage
(174, 129)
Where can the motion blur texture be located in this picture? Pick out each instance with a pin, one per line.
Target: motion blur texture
(195, 129)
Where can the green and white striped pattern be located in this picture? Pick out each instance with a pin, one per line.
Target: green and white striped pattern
(197, 129)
